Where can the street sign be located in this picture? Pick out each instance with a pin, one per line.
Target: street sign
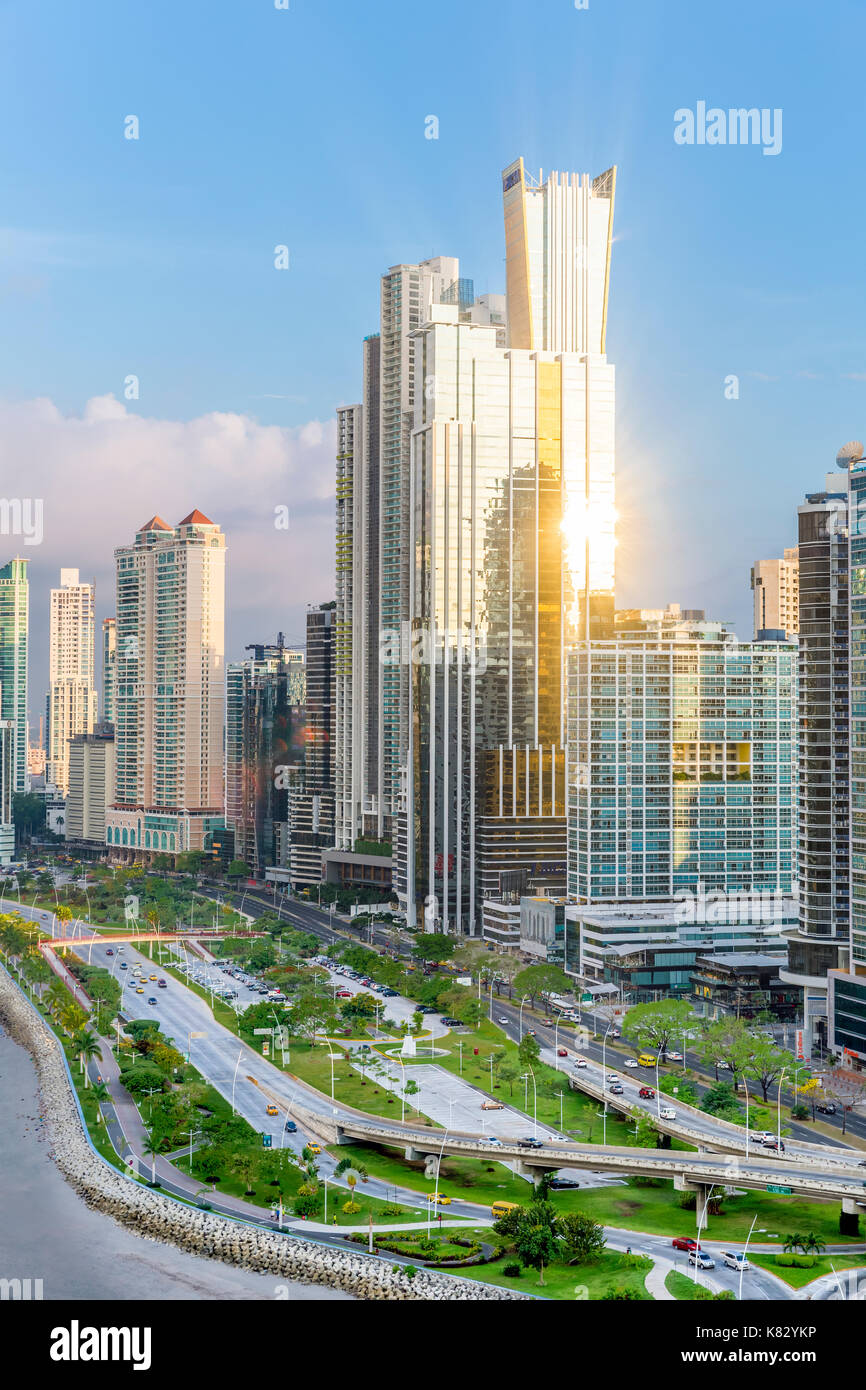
(586, 999)
(267, 1141)
(259, 1031)
(775, 1187)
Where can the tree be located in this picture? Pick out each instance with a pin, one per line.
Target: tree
(151, 1148)
(101, 1094)
(536, 1236)
(721, 1100)
(794, 1241)
(542, 979)
(87, 1047)
(433, 946)
(812, 1244)
(353, 1171)
(508, 1073)
(658, 1025)
(238, 868)
(359, 1006)
(584, 1239)
(645, 1133)
(528, 1050)
(143, 1076)
(766, 1062)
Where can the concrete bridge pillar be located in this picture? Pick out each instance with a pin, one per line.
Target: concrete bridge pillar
(702, 1193)
(849, 1218)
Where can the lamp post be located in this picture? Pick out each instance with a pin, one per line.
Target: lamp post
(520, 1019)
(604, 1082)
(556, 1044)
(782, 1075)
(534, 1101)
(745, 1253)
(234, 1079)
(435, 1202)
(702, 1221)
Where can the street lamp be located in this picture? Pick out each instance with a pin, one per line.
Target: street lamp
(520, 1019)
(700, 1223)
(435, 1202)
(604, 1082)
(782, 1075)
(534, 1100)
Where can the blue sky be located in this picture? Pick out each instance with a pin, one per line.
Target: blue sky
(306, 127)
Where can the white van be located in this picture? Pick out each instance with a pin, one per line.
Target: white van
(734, 1260)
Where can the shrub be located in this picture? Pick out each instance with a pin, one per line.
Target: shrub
(791, 1261)
(511, 1271)
(351, 1208)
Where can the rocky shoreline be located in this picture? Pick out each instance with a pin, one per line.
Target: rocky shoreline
(155, 1217)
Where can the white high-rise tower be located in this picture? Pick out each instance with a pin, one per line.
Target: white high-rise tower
(71, 684)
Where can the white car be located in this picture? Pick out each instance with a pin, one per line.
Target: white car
(612, 1076)
(667, 1114)
(502, 1020)
(734, 1260)
(580, 1062)
(630, 1062)
(674, 1056)
(701, 1259)
(492, 1140)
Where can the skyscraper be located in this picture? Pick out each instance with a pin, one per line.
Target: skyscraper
(109, 667)
(821, 940)
(681, 757)
(776, 589)
(311, 796)
(170, 687)
(14, 619)
(511, 541)
(71, 676)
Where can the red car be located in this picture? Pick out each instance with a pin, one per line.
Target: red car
(684, 1243)
(561, 1052)
(647, 1093)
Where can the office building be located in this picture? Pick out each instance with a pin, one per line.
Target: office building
(311, 796)
(776, 590)
(681, 764)
(90, 789)
(820, 943)
(14, 619)
(72, 704)
(109, 668)
(646, 951)
(511, 542)
(170, 688)
(265, 726)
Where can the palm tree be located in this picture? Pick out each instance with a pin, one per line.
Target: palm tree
(812, 1244)
(86, 1047)
(151, 1148)
(353, 1172)
(100, 1094)
(793, 1241)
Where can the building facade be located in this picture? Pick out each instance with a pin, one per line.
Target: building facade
(72, 703)
(90, 789)
(109, 668)
(681, 765)
(14, 627)
(265, 726)
(776, 590)
(170, 688)
(820, 942)
(311, 799)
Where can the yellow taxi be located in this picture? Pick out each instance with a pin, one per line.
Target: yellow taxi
(439, 1198)
(140, 989)
(315, 1148)
(151, 977)
(271, 1110)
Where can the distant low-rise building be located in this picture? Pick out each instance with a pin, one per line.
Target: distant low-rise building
(91, 767)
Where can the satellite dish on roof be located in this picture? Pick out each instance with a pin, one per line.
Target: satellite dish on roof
(849, 453)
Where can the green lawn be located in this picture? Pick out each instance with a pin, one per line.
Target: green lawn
(472, 1179)
(311, 1063)
(571, 1282)
(799, 1278)
(685, 1288)
(655, 1210)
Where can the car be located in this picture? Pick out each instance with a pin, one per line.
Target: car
(559, 1184)
(162, 984)
(774, 1143)
(674, 1056)
(109, 952)
(580, 1062)
(314, 1148)
(530, 1032)
(647, 1093)
(701, 1259)
(630, 1062)
(492, 1105)
(561, 1052)
(723, 1066)
(684, 1243)
(439, 1198)
(502, 1020)
(667, 1113)
(733, 1259)
(758, 1136)
(271, 1110)
(152, 999)
(531, 1142)
(151, 977)
(615, 1088)
(616, 1033)
(826, 1108)
(140, 989)
(612, 1076)
(123, 965)
(120, 950)
(491, 1139)
(547, 1023)
(291, 1127)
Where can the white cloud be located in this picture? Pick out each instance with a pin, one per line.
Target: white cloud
(104, 473)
